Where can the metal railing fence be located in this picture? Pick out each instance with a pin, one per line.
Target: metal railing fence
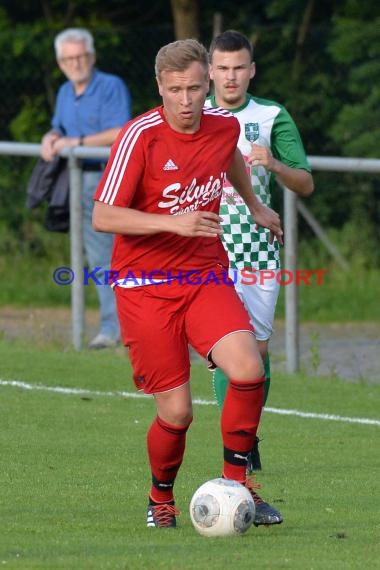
(75, 154)
(329, 164)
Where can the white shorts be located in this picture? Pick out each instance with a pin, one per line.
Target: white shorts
(259, 298)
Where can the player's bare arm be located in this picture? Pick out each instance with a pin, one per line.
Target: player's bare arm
(296, 179)
(127, 221)
(196, 224)
(263, 216)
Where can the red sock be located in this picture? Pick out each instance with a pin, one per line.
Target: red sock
(239, 422)
(166, 446)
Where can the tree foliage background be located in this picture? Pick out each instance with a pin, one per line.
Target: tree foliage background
(320, 59)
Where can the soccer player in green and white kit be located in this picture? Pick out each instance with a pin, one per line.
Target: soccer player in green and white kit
(272, 149)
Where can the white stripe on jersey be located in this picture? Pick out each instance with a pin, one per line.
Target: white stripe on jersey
(126, 145)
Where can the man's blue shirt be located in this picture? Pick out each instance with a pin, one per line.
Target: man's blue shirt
(105, 104)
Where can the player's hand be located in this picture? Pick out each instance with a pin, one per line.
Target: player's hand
(261, 156)
(197, 224)
(268, 218)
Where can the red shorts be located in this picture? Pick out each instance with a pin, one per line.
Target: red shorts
(158, 322)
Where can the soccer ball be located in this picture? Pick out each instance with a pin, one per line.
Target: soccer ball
(222, 507)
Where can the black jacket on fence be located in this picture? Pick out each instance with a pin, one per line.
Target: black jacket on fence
(50, 182)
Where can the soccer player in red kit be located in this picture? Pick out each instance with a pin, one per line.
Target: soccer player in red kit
(160, 195)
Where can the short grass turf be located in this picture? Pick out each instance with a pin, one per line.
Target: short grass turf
(74, 472)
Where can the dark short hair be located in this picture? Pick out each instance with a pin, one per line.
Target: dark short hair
(230, 40)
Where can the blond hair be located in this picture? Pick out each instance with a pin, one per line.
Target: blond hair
(178, 55)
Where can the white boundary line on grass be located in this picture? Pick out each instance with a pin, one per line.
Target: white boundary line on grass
(82, 392)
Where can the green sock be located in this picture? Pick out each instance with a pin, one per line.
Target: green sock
(220, 383)
(267, 377)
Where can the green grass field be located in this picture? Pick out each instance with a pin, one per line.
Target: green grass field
(74, 472)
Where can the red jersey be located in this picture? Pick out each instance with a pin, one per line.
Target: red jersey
(154, 169)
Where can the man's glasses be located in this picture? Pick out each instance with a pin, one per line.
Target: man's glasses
(72, 59)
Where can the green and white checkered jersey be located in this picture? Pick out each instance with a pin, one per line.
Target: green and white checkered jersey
(268, 124)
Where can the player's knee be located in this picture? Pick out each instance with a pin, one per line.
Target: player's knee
(179, 417)
(247, 370)
(184, 418)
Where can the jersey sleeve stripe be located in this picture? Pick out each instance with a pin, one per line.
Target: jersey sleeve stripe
(122, 164)
(126, 145)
